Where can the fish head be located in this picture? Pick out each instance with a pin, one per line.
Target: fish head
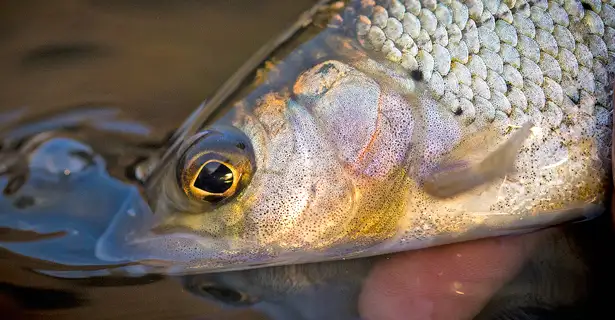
(292, 173)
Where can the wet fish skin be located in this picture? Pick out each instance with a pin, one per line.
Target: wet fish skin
(343, 155)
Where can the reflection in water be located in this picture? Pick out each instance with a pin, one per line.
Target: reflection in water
(68, 173)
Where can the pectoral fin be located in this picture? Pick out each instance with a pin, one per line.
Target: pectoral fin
(454, 181)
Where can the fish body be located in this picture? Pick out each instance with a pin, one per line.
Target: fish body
(401, 125)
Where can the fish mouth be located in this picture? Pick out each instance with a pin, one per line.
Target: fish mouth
(134, 235)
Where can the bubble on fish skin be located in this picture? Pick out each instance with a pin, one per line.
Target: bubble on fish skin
(461, 14)
(524, 26)
(470, 37)
(510, 55)
(546, 42)
(440, 36)
(376, 37)
(517, 99)
(552, 90)
(568, 62)
(492, 60)
(558, 14)
(459, 52)
(412, 25)
(495, 81)
(550, 67)
(512, 76)
(426, 63)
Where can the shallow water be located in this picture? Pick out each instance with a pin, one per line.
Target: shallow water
(143, 66)
(117, 78)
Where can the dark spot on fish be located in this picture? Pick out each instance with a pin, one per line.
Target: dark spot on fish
(575, 99)
(586, 6)
(23, 202)
(57, 54)
(458, 111)
(416, 75)
(241, 145)
(508, 87)
(523, 6)
(42, 298)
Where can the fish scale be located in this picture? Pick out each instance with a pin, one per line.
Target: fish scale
(552, 51)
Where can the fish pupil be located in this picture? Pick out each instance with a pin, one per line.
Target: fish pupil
(215, 177)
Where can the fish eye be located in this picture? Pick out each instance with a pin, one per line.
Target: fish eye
(216, 165)
(224, 295)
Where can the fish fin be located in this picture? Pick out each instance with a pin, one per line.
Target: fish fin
(451, 182)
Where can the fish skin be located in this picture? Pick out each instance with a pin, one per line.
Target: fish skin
(326, 190)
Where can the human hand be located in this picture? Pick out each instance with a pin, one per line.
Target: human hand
(448, 282)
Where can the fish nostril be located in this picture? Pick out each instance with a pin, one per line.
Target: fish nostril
(63, 53)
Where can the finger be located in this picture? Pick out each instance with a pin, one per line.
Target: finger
(448, 282)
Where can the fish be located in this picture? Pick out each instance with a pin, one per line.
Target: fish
(374, 127)
(561, 279)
